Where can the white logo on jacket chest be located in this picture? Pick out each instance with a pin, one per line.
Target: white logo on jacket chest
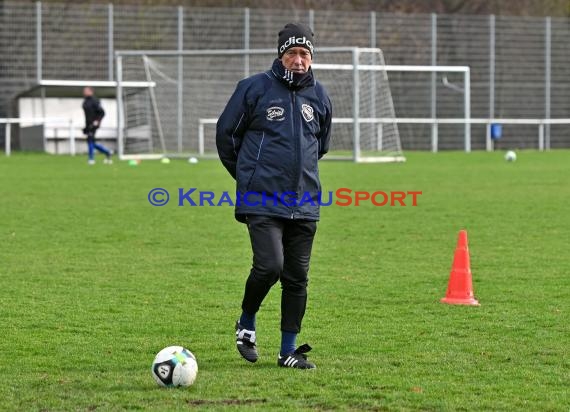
(275, 114)
(308, 112)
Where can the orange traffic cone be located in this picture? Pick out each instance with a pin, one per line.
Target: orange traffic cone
(460, 287)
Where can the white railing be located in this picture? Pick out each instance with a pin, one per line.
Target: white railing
(70, 127)
(68, 123)
(201, 124)
(541, 123)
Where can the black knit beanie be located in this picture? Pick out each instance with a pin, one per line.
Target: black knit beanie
(295, 35)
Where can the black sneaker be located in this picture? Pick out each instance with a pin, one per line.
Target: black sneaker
(297, 359)
(245, 342)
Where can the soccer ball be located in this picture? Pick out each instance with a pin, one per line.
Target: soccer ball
(510, 156)
(174, 366)
(165, 160)
(192, 160)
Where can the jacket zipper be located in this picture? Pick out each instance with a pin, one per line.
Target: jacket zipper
(297, 152)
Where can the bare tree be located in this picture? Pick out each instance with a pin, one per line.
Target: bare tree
(558, 8)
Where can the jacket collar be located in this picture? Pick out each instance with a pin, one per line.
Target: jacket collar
(291, 79)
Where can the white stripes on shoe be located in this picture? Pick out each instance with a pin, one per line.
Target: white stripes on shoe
(290, 361)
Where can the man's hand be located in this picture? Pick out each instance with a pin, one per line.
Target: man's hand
(95, 123)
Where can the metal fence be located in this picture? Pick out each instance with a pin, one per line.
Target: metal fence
(520, 66)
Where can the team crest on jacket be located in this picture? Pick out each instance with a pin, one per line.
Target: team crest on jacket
(308, 113)
(275, 114)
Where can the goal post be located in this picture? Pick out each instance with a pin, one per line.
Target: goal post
(152, 123)
(388, 119)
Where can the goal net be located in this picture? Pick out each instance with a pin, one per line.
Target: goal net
(176, 115)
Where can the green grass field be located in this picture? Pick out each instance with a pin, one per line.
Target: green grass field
(94, 281)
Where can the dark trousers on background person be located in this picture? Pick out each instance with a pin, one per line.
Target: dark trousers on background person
(281, 251)
(92, 145)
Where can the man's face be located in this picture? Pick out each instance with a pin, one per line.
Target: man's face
(87, 91)
(297, 59)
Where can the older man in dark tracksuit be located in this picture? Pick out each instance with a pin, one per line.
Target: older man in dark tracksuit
(275, 127)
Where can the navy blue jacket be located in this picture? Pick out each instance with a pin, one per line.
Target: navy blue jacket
(269, 137)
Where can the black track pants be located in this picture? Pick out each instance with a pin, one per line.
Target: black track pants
(281, 251)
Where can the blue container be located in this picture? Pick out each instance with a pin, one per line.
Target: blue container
(496, 131)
